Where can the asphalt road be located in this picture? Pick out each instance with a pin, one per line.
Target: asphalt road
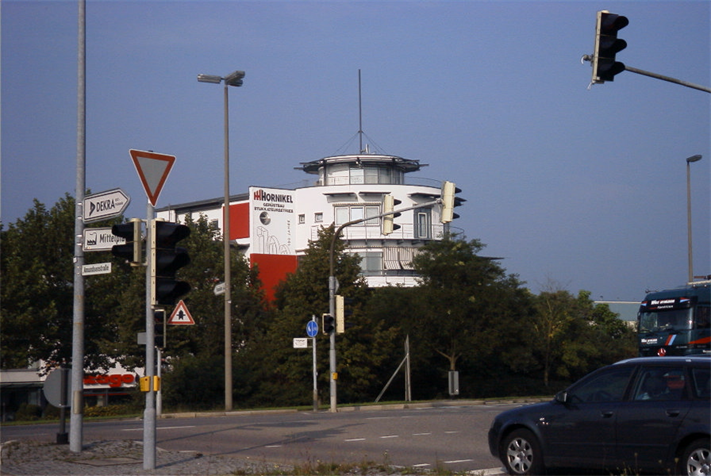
(450, 437)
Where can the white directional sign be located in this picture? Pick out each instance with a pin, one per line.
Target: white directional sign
(105, 205)
(98, 268)
(100, 239)
(301, 343)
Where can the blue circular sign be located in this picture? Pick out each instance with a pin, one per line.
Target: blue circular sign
(311, 328)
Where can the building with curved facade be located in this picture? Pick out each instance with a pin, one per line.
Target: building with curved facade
(273, 226)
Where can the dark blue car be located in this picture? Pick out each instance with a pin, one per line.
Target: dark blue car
(649, 414)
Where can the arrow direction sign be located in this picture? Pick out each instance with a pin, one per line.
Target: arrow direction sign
(101, 239)
(153, 170)
(181, 316)
(105, 205)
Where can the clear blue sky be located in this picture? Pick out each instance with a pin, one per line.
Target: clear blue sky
(585, 188)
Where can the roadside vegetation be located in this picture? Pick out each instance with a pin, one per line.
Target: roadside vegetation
(467, 315)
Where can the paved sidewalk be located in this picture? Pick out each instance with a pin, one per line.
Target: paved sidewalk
(116, 458)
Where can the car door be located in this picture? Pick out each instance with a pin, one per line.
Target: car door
(648, 422)
(582, 432)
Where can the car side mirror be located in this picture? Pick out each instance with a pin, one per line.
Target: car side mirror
(562, 397)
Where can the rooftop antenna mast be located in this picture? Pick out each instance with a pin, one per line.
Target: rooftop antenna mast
(360, 116)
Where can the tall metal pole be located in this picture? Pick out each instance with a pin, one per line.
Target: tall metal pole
(315, 371)
(232, 79)
(228, 272)
(149, 414)
(76, 419)
(694, 158)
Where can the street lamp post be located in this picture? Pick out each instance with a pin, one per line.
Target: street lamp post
(693, 158)
(233, 79)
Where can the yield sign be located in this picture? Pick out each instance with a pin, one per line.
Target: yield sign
(181, 316)
(153, 170)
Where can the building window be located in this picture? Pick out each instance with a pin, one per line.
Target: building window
(348, 213)
(302, 219)
(318, 217)
(371, 262)
(422, 224)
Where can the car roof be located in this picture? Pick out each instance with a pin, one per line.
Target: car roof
(697, 358)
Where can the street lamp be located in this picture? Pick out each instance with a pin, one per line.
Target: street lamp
(693, 158)
(233, 79)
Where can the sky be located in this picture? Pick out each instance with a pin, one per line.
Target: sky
(575, 187)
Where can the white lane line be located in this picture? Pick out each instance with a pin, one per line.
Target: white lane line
(455, 461)
(355, 439)
(451, 432)
(421, 434)
(421, 465)
(160, 428)
(274, 446)
(389, 436)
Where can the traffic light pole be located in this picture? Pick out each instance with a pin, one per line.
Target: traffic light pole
(667, 78)
(332, 289)
(149, 415)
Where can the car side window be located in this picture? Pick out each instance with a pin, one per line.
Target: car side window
(607, 386)
(702, 382)
(660, 384)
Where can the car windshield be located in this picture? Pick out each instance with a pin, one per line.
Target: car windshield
(665, 320)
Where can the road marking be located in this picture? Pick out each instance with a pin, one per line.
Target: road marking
(389, 436)
(273, 446)
(458, 461)
(451, 432)
(421, 434)
(421, 465)
(160, 428)
(355, 439)
(490, 472)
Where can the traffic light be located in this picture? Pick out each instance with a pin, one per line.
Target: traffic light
(343, 310)
(449, 201)
(132, 250)
(607, 45)
(327, 324)
(389, 225)
(166, 260)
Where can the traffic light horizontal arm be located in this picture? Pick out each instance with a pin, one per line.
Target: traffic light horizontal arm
(667, 78)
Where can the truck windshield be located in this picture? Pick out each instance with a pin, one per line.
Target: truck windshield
(656, 321)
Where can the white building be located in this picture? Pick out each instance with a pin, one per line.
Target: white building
(273, 226)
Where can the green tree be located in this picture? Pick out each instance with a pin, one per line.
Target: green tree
(37, 291)
(466, 308)
(286, 371)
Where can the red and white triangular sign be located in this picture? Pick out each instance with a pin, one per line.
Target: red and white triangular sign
(181, 316)
(153, 170)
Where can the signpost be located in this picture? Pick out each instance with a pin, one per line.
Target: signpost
(98, 268)
(100, 239)
(153, 170)
(105, 205)
(181, 316)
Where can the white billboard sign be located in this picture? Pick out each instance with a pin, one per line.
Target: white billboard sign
(272, 220)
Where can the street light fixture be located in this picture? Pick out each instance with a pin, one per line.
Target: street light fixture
(693, 158)
(233, 79)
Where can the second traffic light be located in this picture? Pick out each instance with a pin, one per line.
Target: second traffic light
(449, 201)
(607, 45)
(132, 250)
(328, 324)
(389, 203)
(166, 259)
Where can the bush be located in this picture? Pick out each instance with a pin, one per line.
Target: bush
(28, 412)
(108, 410)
